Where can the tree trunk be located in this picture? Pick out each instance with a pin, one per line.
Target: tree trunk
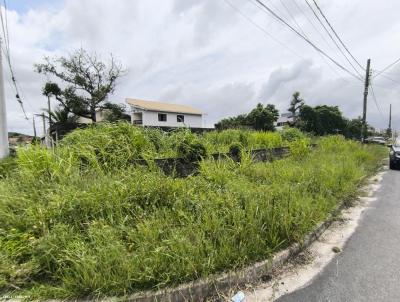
(93, 114)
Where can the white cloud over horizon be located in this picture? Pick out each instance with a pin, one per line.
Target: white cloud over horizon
(205, 54)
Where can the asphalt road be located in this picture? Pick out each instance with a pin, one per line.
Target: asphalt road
(368, 269)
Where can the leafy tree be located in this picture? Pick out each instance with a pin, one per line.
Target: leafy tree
(260, 118)
(232, 122)
(115, 112)
(331, 120)
(354, 128)
(322, 120)
(86, 81)
(308, 119)
(263, 118)
(296, 104)
(62, 116)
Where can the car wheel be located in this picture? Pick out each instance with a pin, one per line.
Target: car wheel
(391, 165)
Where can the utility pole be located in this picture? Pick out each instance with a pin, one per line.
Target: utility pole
(364, 117)
(44, 127)
(49, 110)
(4, 148)
(34, 126)
(390, 121)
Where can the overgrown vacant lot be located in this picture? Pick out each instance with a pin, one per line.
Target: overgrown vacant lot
(84, 222)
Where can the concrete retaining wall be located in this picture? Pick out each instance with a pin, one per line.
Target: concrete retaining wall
(181, 168)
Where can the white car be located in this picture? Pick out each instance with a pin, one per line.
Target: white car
(376, 140)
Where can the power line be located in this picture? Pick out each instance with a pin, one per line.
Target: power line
(262, 29)
(6, 51)
(298, 25)
(337, 36)
(375, 100)
(293, 18)
(389, 78)
(306, 39)
(312, 24)
(331, 37)
(387, 67)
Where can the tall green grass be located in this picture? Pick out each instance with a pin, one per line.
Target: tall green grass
(71, 229)
(112, 143)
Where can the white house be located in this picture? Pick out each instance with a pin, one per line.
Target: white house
(283, 120)
(157, 114)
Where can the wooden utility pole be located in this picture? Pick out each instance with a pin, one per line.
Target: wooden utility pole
(4, 147)
(43, 116)
(390, 120)
(366, 86)
(44, 129)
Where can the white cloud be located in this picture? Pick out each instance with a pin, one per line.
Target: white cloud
(203, 53)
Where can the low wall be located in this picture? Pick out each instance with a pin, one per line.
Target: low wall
(182, 168)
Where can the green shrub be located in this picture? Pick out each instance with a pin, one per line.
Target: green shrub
(236, 151)
(108, 145)
(192, 151)
(7, 167)
(260, 140)
(299, 148)
(292, 134)
(109, 228)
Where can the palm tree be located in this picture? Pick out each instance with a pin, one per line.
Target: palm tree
(295, 105)
(62, 116)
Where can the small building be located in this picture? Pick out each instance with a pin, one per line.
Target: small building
(284, 120)
(164, 115)
(101, 115)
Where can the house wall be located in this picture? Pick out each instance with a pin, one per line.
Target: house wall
(150, 118)
(100, 116)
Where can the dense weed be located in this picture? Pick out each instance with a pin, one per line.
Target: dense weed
(81, 221)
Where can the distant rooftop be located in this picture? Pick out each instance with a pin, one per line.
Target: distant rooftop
(163, 107)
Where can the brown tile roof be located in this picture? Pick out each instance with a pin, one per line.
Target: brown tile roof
(163, 107)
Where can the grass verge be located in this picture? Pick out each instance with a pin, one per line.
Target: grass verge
(70, 230)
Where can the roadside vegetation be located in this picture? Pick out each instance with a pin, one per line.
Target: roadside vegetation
(83, 221)
(124, 142)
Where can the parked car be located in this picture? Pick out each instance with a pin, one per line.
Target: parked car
(394, 155)
(375, 140)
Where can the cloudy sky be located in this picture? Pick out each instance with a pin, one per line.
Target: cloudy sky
(208, 54)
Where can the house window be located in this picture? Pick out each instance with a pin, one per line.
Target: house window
(162, 117)
(180, 118)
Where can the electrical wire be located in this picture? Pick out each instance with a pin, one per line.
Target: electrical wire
(302, 31)
(312, 24)
(336, 34)
(262, 29)
(387, 67)
(293, 18)
(390, 79)
(6, 51)
(331, 37)
(269, 10)
(375, 100)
